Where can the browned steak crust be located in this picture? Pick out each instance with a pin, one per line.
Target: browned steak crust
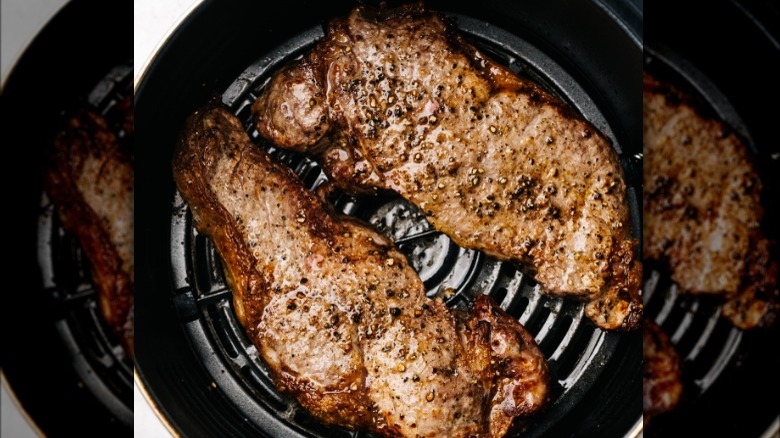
(702, 207)
(338, 314)
(395, 100)
(661, 372)
(90, 181)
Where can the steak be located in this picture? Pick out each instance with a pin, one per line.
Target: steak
(394, 99)
(661, 372)
(338, 314)
(90, 181)
(702, 207)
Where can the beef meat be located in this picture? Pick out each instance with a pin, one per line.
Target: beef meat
(338, 314)
(661, 372)
(90, 181)
(702, 207)
(394, 99)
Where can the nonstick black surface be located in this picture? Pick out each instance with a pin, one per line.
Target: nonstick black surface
(195, 361)
(52, 339)
(728, 60)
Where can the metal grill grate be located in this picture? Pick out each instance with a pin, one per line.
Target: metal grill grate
(577, 351)
(97, 357)
(706, 342)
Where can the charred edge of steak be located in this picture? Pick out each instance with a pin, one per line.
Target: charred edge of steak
(485, 309)
(661, 372)
(400, 12)
(619, 304)
(504, 79)
(87, 133)
(755, 305)
(331, 413)
(188, 165)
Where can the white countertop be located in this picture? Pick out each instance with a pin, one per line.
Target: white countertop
(153, 21)
(20, 21)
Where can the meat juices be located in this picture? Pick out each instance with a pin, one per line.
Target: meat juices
(702, 208)
(90, 181)
(396, 100)
(337, 313)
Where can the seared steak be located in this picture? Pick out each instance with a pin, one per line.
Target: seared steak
(661, 373)
(702, 207)
(90, 182)
(338, 314)
(395, 100)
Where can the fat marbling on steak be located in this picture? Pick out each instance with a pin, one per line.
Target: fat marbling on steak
(338, 314)
(396, 100)
(90, 181)
(702, 207)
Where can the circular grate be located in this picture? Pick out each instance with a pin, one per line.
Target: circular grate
(577, 352)
(96, 355)
(718, 360)
(705, 341)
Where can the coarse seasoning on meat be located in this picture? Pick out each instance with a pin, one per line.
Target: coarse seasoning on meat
(394, 99)
(702, 208)
(338, 314)
(90, 181)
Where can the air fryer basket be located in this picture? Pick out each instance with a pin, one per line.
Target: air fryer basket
(595, 375)
(96, 355)
(726, 371)
(60, 359)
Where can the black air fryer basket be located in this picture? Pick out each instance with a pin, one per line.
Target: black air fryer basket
(729, 64)
(60, 358)
(193, 358)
